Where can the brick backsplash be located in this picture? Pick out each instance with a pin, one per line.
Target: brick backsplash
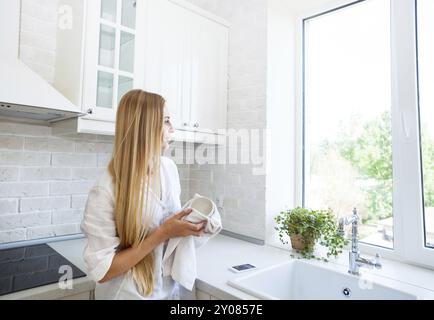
(45, 179)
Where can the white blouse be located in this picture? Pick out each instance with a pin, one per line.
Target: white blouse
(99, 227)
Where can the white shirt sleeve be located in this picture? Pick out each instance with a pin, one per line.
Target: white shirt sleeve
(100, 229)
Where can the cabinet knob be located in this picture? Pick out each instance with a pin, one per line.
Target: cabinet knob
(196, 125)
(90, 111)
(185, 124)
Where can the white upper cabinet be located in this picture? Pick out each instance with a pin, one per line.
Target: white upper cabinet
(111, 56)
(169, 47)
(167, 39)
(187, 62)
(209, 78)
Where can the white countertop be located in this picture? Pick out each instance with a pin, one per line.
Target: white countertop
(222, 252)
(213, 262)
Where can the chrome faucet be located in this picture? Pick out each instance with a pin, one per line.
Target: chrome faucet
(355, 260)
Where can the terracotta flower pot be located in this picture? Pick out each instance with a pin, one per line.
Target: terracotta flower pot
(298, 243)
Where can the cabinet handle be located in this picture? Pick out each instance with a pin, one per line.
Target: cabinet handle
(196, 125)
(90, 111)
(185, 124)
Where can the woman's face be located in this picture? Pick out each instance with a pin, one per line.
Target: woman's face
(167, 130)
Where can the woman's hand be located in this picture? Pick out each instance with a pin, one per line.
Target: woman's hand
(171, 228)
(176, 227)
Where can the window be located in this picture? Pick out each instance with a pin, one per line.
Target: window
(367, 132)
(348, 137)
(426, 84)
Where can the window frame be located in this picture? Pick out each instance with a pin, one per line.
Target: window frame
(409, 242)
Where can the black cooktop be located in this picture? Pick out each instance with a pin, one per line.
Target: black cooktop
(33, 266)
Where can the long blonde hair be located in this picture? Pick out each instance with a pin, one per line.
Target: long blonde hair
(135, 172)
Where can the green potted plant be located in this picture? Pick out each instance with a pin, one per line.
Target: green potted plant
(306, 227)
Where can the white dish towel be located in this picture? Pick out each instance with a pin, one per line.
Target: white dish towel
(179, 260)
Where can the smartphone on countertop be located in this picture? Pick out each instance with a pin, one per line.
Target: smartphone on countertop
(242, 268)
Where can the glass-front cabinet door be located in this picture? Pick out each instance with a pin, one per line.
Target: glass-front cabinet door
(110, 56)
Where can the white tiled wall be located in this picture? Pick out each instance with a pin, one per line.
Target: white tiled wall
(44, 180)
(244, 193)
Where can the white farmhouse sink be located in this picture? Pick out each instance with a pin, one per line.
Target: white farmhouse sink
(300, 280)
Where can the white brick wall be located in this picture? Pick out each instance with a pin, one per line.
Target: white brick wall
(42, 204)
(44, 180)
(244, 194)
(23, 189)
(74, 160)
(16, 221)
(48, 144)
(78, 201)
(8, 206)
(13, 235)
(8, 158)
(8, 174)
(44, 174)
(70, 187)
(51, 231)
(67, 216)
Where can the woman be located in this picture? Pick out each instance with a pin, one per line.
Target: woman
(129, 213)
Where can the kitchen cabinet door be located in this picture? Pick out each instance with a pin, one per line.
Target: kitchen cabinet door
(187, 56)
(167, 46)
(110, 56)
(209, 74)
